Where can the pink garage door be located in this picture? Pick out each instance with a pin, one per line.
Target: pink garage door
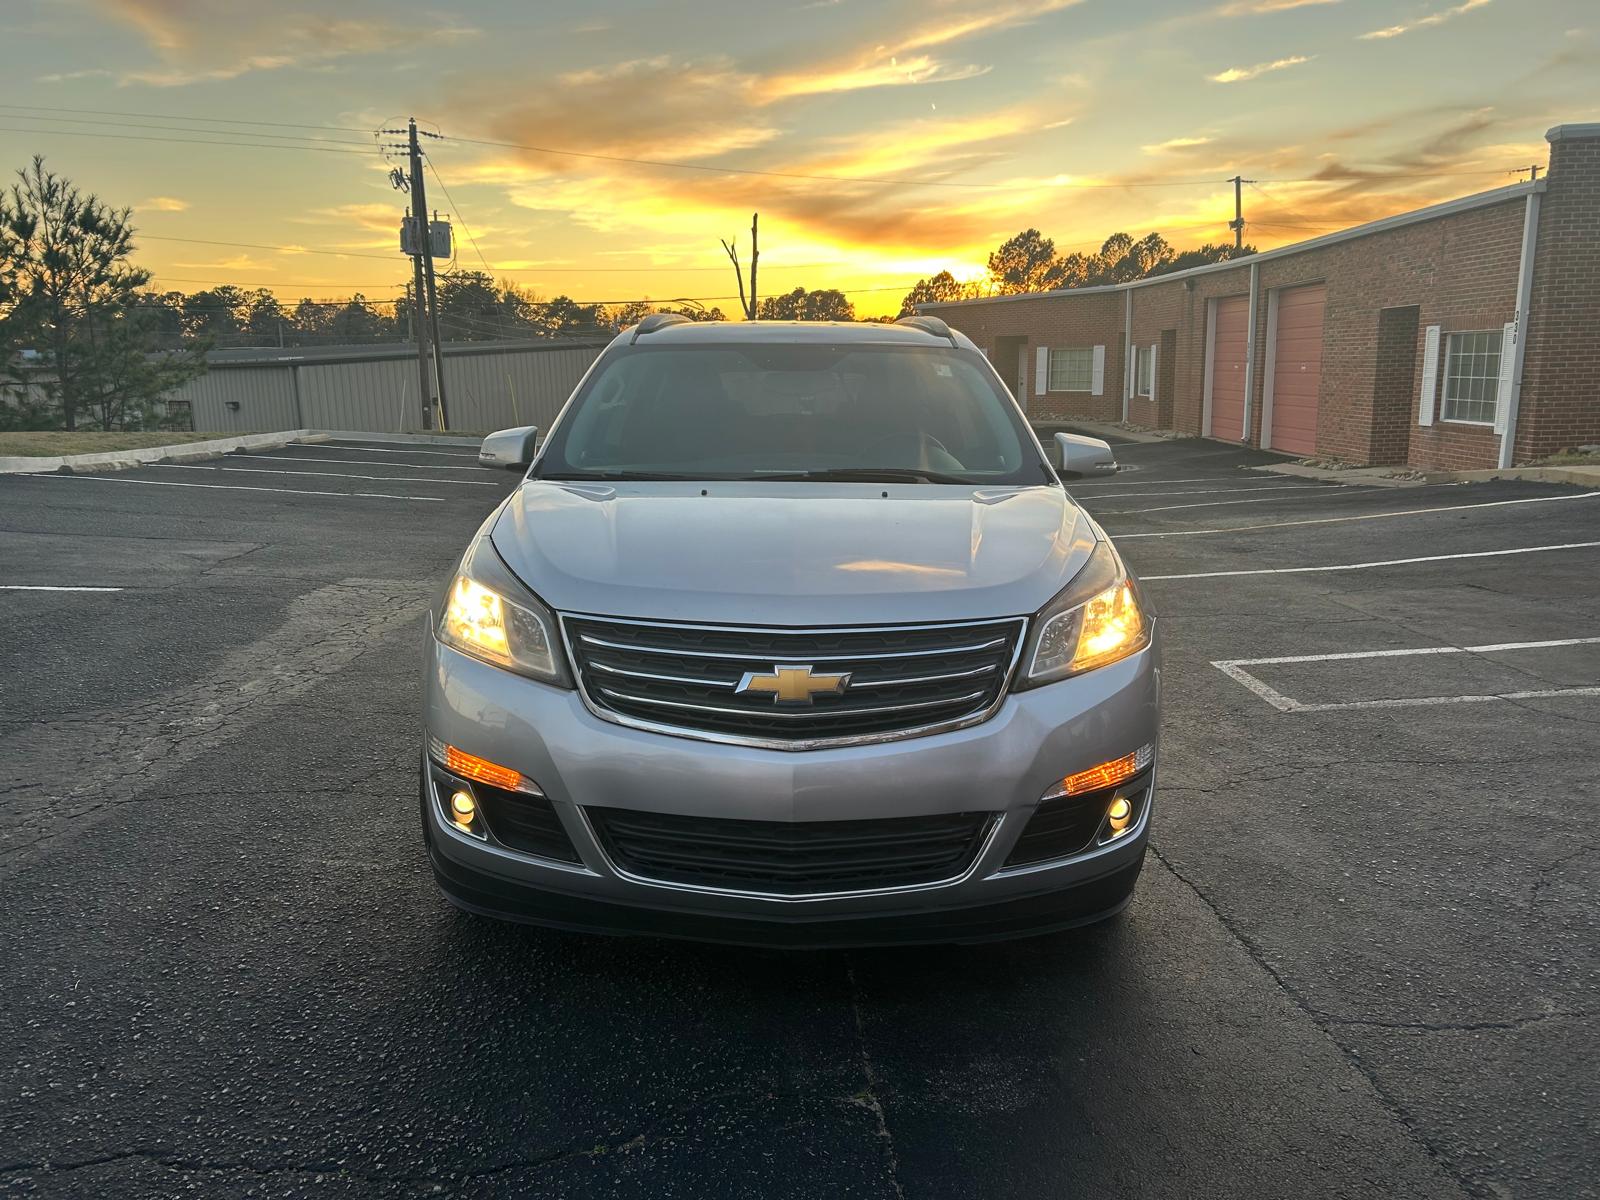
(1227, 367)
(1297, 369)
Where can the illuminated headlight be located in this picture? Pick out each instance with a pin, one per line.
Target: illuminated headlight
(1096, 620)
(488, 615)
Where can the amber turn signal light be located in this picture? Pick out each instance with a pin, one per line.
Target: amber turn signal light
(1107, 774)
(470, 766)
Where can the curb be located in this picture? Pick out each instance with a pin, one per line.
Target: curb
(1370, 476)
(121, 460)
(1586, 476)
(401, 439)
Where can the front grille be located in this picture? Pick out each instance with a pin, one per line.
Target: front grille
(1066, 825)
(520, 821)
(902, 678)
(790, 858)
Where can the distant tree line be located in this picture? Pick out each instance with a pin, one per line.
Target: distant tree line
(1028, 262)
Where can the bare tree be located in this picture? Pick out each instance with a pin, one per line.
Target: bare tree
(748, 305)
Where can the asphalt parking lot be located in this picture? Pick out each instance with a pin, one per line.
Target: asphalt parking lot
(1362, 960)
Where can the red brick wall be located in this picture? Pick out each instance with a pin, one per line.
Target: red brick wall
(1459, 270)
(1561, 371)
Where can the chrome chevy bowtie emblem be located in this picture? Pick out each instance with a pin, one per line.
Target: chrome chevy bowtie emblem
(792, 685)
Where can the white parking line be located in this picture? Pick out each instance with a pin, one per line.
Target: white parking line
(48, 587)
(1233, 668)
(331, 474)
(1407, 512)
(1322, 494)
(1142, 482)
(233, 487)
(1285, 487)
(375, 450)
(358, 462)
(1363, 566)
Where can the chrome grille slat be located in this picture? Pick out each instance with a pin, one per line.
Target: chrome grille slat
(781, 715)
(638, 648)
(904, 680)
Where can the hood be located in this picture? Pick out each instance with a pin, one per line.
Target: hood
(793, 554)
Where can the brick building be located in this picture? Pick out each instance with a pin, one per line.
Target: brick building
(1459, 336)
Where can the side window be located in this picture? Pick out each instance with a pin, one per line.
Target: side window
(1071, 370)
(1472, 377)
(1143, 376)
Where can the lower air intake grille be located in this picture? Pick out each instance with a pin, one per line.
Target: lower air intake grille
(790, 858)
(523, 822)
(1066, 826)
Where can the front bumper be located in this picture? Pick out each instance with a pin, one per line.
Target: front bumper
(1001, 766)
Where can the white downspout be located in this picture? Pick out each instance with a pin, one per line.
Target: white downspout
(1530, 243)
(1129, 356)
(1250, 351)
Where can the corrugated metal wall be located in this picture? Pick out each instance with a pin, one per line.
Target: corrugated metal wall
(487, 389)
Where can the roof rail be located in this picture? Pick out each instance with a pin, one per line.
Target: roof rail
(931, 325)
(654, 322)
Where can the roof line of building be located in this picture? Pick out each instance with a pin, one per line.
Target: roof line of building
(1431, 213)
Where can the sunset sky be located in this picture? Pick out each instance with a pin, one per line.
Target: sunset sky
(982, 116)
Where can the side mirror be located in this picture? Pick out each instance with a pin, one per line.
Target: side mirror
(509, 448)
(1079, 456)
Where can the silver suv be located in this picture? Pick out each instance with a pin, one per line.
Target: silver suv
(791, 635)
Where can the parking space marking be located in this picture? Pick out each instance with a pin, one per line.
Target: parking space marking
(359, 462)
(1322, 493)
(1407, 512)
(1234, 669)
(50, 587)
(1282, 487)
(1385, 562)
(331, 474)
(236, 487)
(1197, 479)
(355, 449)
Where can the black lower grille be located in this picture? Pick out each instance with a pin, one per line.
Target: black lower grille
(788, 687)
(1066, 826)
(522, 822)
(790, 858)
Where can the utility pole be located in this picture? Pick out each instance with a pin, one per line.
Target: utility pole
(423, 273)
(1237, 224)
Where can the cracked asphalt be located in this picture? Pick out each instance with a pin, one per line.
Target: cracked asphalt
(1362, 959)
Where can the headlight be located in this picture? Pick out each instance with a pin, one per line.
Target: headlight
(490, 616)
(1095, 620)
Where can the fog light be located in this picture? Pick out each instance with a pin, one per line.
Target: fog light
(1119, 816)
(463, 808)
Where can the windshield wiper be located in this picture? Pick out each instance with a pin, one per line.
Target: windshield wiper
(861, 474)
(622, 476)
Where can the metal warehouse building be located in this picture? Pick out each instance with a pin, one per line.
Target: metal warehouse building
(489, 385)
(1465, 335)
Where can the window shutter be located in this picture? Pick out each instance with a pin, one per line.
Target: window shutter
(1131, 386)
(1041, 371)
(1430, 374)
(1154, 386)
(1097, 385)
(1502, 396)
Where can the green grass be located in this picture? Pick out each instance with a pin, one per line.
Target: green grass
(53, 442)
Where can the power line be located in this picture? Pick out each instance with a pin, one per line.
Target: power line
(278, 137)
(140, 137)
(100, 112)
(456, 208)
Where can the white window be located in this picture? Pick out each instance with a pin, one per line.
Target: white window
(1072, 370)
(1472, 377)
(1144, 373)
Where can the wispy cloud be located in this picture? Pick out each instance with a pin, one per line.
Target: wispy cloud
(1425, 22)
(1256, 8)
(163, 204)
(71, 76)
(1177, 143)
(1241, 74)
(205, 41)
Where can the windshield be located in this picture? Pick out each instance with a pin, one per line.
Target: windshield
(810, 412)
